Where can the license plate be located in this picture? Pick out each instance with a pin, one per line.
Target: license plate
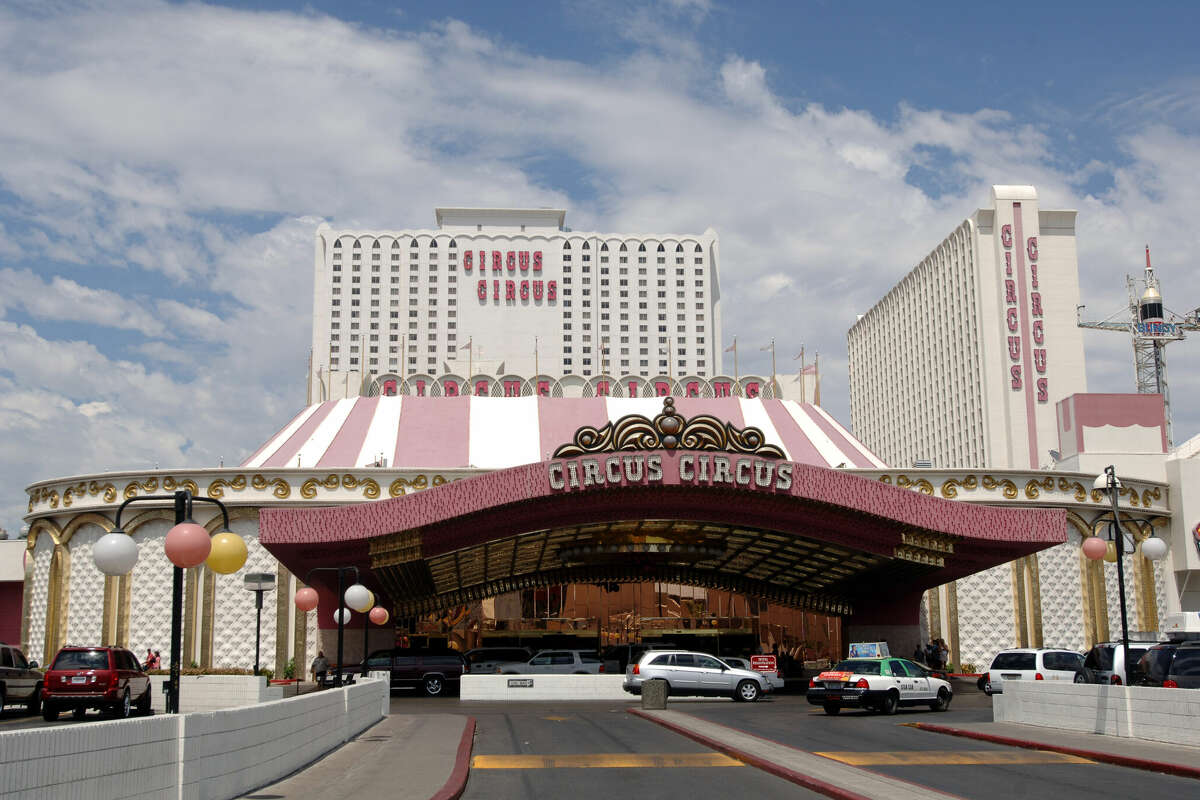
(850, 697)
(78, 679)
(1010, 677)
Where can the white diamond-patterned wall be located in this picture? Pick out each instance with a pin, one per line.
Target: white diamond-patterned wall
(43, 550)
(1131, 603)
(85, 611)
(1061, 595)
(233, 623)
(150, 593)
(985, 615)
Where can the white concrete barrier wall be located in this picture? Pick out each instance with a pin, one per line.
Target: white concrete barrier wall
(216, 755)
(545, 687)
(1139, 712)
(216, 692)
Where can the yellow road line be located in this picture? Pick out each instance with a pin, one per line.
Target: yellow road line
(604, 760)
(948, 757)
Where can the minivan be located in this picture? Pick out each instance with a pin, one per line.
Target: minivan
(1032, 664)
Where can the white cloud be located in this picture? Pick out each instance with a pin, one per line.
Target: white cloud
(145, 129)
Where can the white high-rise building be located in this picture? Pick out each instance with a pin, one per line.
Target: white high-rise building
(511, 291)
(963, 362)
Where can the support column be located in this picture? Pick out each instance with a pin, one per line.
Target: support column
(283, 607)
(892, 617)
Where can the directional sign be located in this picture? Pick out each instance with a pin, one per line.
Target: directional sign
(763, 664)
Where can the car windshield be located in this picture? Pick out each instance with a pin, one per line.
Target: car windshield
(1154, 664)
(859, 667)
(1015, 661)
(1100, 657)
(81, 659)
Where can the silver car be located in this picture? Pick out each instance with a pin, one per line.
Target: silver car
(690, 673)
(774, 678)
(555, 662)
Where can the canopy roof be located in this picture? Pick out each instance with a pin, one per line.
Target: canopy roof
(500, 432)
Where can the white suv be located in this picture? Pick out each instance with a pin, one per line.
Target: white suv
(555, 662)
(689, 673)
(1105, 662)
(1030, 664)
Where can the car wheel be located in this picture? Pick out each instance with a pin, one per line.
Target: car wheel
(433, 685)
(35, 700)
(832, 709)
(747, 691)
(143, 703)
(124, 707)
(79, 713)
(1080, 678)
(943, 701)
(890, 703)
(987, 688)
(49, 712)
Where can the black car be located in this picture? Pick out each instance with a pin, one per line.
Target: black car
(1171, 665)
(434, 672)
(20, 682)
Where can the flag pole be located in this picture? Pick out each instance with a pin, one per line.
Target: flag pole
(536, 370)
(817, 388)
(803, 394)
(735, 364)
(774, 382)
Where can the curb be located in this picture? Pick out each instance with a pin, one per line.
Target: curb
(1094, 755)
(457, 782)
(800, 779)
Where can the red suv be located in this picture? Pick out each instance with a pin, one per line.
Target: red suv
(106, 678)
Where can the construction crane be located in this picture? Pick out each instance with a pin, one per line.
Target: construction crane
(1152, 327)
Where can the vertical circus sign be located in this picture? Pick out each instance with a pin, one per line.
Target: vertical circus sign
(1013, 322)
(515, 275)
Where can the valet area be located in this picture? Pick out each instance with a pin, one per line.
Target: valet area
(729, 524)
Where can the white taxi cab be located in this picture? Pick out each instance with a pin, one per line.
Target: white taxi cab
(878, 684)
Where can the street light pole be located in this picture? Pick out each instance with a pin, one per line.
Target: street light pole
(258, 582)
(1110, 479)
(187, 545)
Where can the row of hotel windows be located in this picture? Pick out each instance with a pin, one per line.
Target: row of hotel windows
(337, 245)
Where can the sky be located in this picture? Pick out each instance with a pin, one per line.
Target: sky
(163, 167)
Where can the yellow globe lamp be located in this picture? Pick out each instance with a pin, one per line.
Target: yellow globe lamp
(228, 553)
(1110, 553)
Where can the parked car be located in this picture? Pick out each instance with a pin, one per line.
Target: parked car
(878, 684)
(689, 673)
(1105, 662)
(434, 672)
(775, 678)
(620, 657)
(1033, 664)
(106, 678)
(484, 660)
(1171, 665)
(555, 662)
(20, 682)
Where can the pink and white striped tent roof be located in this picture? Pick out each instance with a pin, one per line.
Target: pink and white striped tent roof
(498, 432)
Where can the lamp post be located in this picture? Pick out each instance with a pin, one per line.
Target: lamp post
(356, 597)
(187, 545)
(258, 582)
(1153, 548)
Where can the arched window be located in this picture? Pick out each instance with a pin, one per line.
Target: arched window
(566, 245)
(586, 246)
(642, 247)
(337, 245)
(604, 247)
(376, 245)
(623, 247)
(679, 248)
(357, 244)
(661, 249)
(395, 243)
(414, 243)
(433, 242)
(698, 249)
(453, 244)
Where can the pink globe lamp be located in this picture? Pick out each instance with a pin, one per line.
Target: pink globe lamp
(187, 545)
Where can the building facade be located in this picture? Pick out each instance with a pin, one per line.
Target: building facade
(962, 362)
(511, 291)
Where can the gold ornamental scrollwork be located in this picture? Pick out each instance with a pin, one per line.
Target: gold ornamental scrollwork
(1007, 487)
(920, 484)
(951, 486)
(217, 487)
(1154, 494)
(148, 486)
(73, 491)
(282, 490)
(308, 489)
(170, 484)
(668, 431)
(1034, 487)
(400, 486)
(886, 479)
(369, 486)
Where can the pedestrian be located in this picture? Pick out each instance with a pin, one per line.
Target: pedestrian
(931, 655)
(943, 654)
(918, 654)
(151, 661)
(320, 667)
